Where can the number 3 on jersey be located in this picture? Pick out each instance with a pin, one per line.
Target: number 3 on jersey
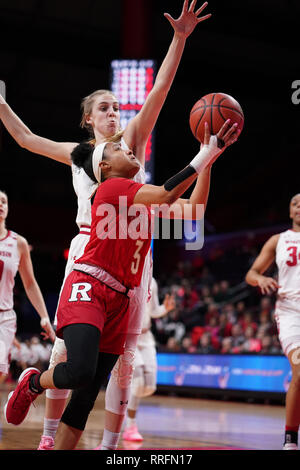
(137, 257)
(294, 256)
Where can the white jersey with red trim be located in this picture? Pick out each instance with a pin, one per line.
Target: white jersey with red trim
(84, 188)
(9, 265)
(153, 308)
(288, 263)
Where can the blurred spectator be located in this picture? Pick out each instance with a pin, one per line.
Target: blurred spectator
(238, 338)
(188, 296)
(247, 320)
(270, 345)
(173, 345)
(168, 326)
(226, 346)
(205, 344)
(31, 352)
(187, 345)
(251, 344)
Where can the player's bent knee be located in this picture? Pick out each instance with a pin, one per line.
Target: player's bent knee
(295, 357)
(73, 376)
(144, 391)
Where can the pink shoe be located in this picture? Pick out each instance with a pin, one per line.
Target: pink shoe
(132, 434)
(47, 443)
(19, 401)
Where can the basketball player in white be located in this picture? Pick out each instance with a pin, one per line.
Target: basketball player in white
(284, 249)
(15, 257)
(101, 116)
(145, 364)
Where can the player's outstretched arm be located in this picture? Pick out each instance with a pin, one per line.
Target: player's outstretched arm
(59, 151)
(266, 257)
(140, 127)
(32, 289)
(171, 191)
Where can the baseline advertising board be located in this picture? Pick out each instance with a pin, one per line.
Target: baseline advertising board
(224, 372)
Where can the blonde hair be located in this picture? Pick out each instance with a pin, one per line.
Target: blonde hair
(86, 108)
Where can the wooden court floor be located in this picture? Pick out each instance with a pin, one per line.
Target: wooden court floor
(167, 422)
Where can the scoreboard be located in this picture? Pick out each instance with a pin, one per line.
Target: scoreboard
(131, 82)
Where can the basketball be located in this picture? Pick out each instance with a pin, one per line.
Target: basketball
(215, 109)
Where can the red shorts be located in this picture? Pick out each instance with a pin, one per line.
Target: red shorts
(85, 299)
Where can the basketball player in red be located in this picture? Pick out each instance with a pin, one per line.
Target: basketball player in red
(284, 249)
(15, 257)
(102, 119)
(93, 310)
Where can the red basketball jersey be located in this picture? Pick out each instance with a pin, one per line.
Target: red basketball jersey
(120, 232)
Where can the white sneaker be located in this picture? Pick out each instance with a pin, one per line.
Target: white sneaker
(290, 446)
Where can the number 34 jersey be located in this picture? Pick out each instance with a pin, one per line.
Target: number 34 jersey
(120, 232)
(288, 263)
(9, 264)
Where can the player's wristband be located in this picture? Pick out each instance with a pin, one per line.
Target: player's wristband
(179, 178)
(207, 154)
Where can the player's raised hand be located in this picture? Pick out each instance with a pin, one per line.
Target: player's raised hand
(169, 302)
(228, 134)
(188, 20)
(49, 332)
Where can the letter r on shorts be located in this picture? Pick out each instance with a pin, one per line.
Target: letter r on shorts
(80, 292)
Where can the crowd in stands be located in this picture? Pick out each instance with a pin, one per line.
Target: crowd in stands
(216, 315)
(30, 352)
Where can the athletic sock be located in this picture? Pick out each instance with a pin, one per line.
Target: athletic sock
(110, 440)
(34, 383)
(291, 435)
(50, 427)
(130, 422)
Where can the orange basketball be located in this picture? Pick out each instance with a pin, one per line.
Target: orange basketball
(215, 109)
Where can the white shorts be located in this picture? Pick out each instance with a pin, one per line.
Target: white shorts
(146, 353)
(8, 328)
(287, 316)
(139, 299)
(76, 250)
(77, 246)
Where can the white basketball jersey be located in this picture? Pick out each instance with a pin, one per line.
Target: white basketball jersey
(9, 265)
(84, 188)
(153, 309)
(288, 263)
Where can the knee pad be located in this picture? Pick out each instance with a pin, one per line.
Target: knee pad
(123, 371)
(118, 388)
(58, 354)
(57, 394)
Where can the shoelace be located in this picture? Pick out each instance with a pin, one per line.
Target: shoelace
(27, 399)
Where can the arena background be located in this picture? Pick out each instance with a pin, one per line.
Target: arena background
(53, 53)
